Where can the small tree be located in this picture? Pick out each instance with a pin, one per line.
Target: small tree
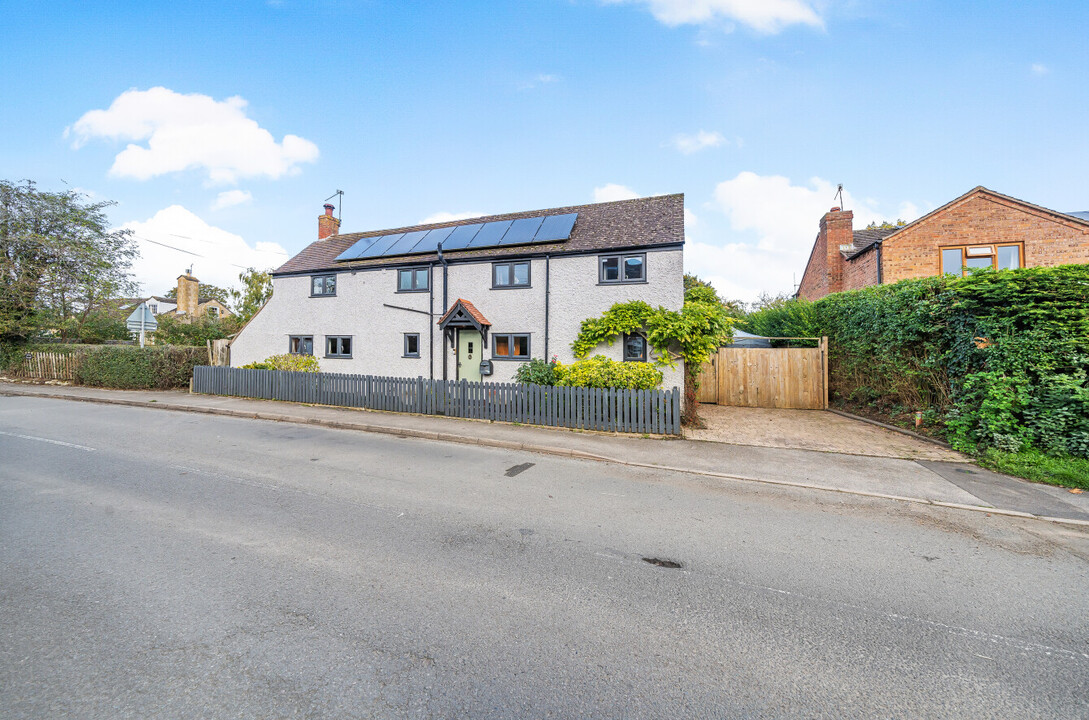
(256, 291)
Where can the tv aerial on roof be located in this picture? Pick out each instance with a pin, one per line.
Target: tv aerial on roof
(339, 195)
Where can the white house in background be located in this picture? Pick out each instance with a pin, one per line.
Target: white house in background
(471, 299)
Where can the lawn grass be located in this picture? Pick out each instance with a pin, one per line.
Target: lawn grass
(1038, 467)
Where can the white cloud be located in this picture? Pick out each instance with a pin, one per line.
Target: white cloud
(690, 219)
(540, 79)
(1040, 69)
(217, 256)
(774, 224)
(227, 198)
(769, 16)
(612, 191)
(186, 132)
(441, 217)
(702, 140)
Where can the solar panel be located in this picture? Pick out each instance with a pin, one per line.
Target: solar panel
(431, 241)
(406, 243)
(379, 248)
(357, 249)
(556, 227)
(491, 234)
(522, 231)
(462, 236)
(542, 228)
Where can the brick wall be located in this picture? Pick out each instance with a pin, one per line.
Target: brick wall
(824, 274)
(860, 271)
(982, 218)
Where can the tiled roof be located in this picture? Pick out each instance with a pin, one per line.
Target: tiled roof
(642, 222)
(864, 239)
(469, 308)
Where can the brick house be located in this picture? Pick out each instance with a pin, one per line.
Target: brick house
(981, 228)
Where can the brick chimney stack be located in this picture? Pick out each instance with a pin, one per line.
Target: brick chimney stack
(188, 295)
(327, 224)
(837, 229)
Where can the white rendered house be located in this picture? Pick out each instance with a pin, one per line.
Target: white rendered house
(472, 299)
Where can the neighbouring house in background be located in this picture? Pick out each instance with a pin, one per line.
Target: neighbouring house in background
(981, 228)
(155, 303)
(189, 303)
(471, 299)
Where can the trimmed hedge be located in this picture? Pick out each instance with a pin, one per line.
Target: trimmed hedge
(1001, 358)
(134, 368)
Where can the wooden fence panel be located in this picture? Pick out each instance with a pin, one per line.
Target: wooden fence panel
(614, 410)
(771, 377)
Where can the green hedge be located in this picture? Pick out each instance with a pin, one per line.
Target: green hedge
(1000, 358)
(295, 363)
(134, 368)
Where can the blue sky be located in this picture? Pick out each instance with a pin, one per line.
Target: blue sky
(221, 128)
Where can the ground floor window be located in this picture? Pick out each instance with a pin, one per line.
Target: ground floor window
(338, 346)
(300, 345)
(635, 348)
(960, 260)
(412, 345)
(513, 346)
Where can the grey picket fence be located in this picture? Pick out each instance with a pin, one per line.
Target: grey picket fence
(613, 410)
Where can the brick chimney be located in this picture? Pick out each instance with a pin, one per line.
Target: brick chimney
(327, 224)
(188, 295)
(837, 229)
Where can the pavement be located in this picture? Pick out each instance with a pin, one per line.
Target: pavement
(942, 483)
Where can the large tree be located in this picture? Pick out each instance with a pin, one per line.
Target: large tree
(60, 263)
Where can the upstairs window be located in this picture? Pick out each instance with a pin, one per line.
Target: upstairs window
(413, 279)
(622, 268)
(300, 345)
(323, 285)
(510, 275)
(960, 260)
(154, 308)
(514, 346)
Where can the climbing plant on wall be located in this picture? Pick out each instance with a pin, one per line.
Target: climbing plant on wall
(693, 333)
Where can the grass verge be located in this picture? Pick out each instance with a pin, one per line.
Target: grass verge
(1038, 467)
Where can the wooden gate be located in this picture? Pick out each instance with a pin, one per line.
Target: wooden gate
(767, 377)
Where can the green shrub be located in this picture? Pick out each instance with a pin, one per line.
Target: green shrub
(134, 368)
(601, 372)
(180, 330)
(537, 371)
(296, 363)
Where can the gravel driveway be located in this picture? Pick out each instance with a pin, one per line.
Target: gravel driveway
(811, 430)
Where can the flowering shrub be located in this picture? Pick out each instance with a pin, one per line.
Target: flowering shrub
(601, 372)
(296, 363)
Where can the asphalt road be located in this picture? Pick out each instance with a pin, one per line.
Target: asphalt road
(170, 565)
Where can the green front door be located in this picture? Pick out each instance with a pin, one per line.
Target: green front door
(470, 353)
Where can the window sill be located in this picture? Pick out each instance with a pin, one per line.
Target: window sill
(622, 282)
(338, 357)
(408, 292)
(511, 287)
(324, 295)
(511, 359)
(410, 357)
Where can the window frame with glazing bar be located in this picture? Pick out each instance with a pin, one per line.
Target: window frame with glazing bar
(324, 281)
(497, 338)
(621, 261)
(291, 343)
(508, 266)
(965, 256)
(416, 273)
(340, 340)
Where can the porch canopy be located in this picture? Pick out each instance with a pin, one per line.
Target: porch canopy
(464, 315)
